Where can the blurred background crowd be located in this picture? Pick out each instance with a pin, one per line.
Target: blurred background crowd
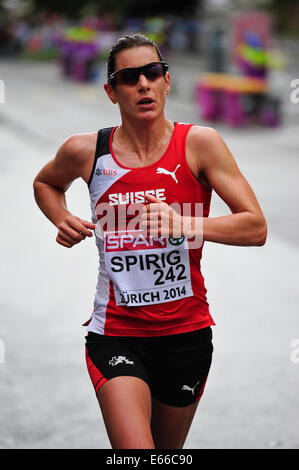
(41, 29)
(244, 40)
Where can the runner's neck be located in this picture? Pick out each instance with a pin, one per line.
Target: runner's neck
(144, 142)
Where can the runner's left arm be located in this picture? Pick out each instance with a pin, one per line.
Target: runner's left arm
(246, 226)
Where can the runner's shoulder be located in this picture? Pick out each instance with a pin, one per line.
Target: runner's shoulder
(202, 136)
(75, 155)
(207, 144)
(78, 148)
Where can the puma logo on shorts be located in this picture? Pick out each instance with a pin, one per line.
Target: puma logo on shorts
(175, 367)
(186, 387)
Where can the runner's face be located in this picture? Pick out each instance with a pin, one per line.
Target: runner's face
(129, 97)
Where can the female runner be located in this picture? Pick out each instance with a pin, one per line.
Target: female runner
(149, 339)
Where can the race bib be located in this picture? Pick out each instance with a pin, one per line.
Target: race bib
(147, 270)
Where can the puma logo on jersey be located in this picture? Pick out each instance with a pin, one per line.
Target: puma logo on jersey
(167, 172)
(186, 387)
(119, 360)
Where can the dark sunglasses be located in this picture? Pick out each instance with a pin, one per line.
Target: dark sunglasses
(130, 76)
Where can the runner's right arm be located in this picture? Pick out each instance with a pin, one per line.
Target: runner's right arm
(50, 186)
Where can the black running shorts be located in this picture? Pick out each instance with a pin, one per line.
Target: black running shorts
(175, 367)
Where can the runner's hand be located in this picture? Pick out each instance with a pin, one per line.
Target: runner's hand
(160, 220)
(73, 230)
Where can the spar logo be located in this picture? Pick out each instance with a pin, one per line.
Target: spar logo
(132, 241)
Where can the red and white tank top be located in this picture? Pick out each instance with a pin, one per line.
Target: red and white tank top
(146, 286)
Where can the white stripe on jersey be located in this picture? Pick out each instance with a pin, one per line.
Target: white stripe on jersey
(104, 170)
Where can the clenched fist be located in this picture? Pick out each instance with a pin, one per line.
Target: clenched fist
(73, 230)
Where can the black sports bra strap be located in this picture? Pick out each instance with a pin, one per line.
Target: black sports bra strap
(102, 147)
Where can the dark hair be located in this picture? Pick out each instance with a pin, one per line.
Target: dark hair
(127, 42)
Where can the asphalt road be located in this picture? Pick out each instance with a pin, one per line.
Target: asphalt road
(46, 397)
